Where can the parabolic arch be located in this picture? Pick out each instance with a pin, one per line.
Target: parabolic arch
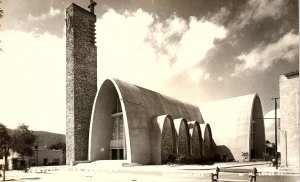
(238, 125)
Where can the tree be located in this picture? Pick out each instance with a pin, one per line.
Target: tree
(4, 137)
(1, 11)
(4, 140)
(23, 141)
(1, 16)
(245, 155)
(58, 146)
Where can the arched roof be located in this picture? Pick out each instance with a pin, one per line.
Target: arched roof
(230, 120)
(159, 104)
(139, 106)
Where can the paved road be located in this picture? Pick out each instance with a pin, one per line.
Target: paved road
(186, 173)
(140, 177)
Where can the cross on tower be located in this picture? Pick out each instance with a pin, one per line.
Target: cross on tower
(92, 5)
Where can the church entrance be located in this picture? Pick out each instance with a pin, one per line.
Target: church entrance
(108, 128)
(117, 154)
(252, 151)
(117, 141)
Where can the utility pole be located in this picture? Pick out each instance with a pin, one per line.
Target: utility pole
(37, 153)
(276, 155)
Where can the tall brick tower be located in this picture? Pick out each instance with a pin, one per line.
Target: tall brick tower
(81, 79)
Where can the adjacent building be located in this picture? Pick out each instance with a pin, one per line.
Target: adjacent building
(41, 157)
(238, 127)
(289, 119)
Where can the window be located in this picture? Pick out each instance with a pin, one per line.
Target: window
(118, 128)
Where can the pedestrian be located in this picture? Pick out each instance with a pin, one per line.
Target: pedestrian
(274, 162)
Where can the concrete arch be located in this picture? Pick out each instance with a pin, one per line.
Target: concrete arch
(257, 127)
(237, 116)
(207, 141)
(139, 107)
(163, 139)
(196, 140)
(101, 127)
(183, 137)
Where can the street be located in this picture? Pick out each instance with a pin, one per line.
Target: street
(147, 174)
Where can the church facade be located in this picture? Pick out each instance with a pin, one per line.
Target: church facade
(138, 125)
(122, 121)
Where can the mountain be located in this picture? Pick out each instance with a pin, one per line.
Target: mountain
(47, 138)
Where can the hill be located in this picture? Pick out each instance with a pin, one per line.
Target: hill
(47, 138)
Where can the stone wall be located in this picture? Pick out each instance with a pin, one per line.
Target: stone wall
(196, 140)
(167, 140)
(81, 80)
(208, 152)
(183, 137)
(289, 119)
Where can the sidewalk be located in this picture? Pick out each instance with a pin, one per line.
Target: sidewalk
(159, 169)
(151, 173)
(114, 167)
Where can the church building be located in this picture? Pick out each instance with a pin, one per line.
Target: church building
(122, 121)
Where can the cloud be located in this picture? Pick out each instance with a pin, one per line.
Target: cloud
(197, 74)
(196, 42)
(221, 16)
(256, 10)
(52, 13)
(153, 50)
(263, 57)
(267, 8)
(164, 36)
(32, 66)
(32, 77)
(122, 50)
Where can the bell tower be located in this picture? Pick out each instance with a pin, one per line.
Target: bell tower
(81, 79)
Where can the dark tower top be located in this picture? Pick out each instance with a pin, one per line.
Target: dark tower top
(92, 6)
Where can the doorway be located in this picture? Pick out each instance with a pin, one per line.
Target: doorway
(117, 154)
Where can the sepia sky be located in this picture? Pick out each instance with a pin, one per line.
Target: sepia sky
(195, 50)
